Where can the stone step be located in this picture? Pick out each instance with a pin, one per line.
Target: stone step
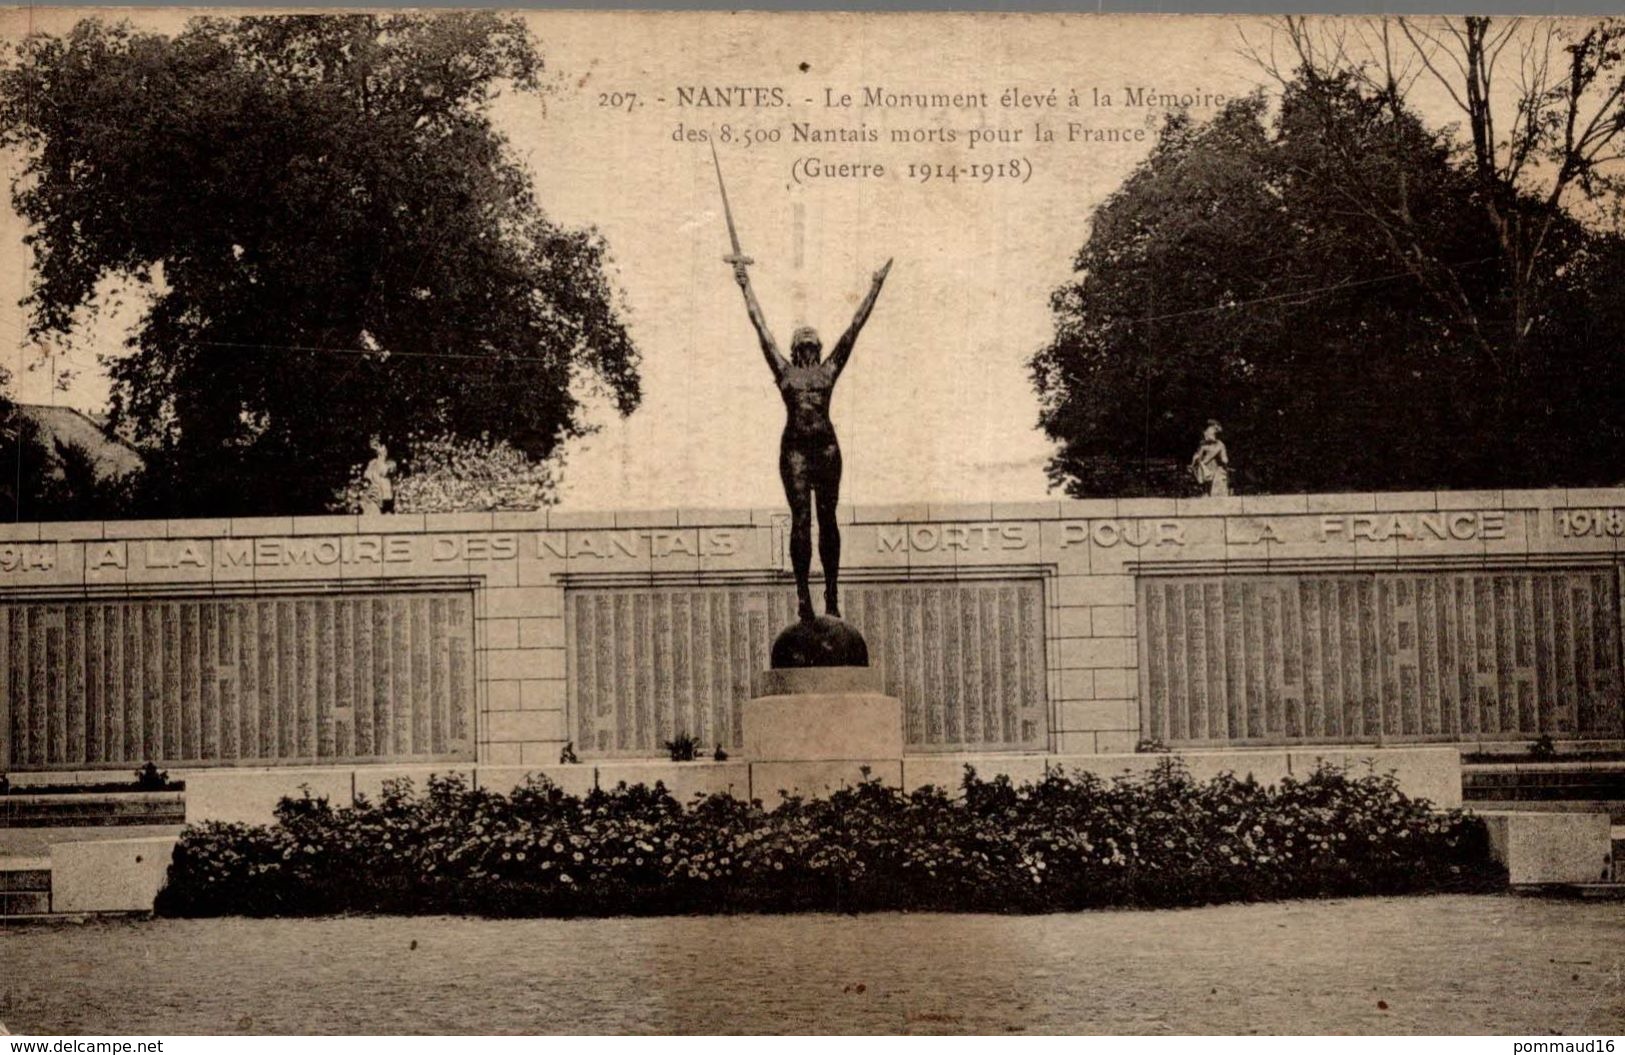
(1551, 785)
(33, 811)
(37, 842)
(92, 820)
(1553, 795)
(1545, 778)
(28, 795)
(25, 880)
(1518, 751)
(1546, 764)
(1614, 808)
(1547, 792)
(24, 903)
(1536, 774)
(1590, 891)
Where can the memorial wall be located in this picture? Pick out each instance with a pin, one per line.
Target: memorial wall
(1069, 627)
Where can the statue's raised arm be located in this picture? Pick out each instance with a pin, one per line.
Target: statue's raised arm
(770, 348)
(843, 347)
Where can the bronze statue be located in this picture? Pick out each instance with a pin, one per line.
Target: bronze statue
(809, 465)
(809, 455)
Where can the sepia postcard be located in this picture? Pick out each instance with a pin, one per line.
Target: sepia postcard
(738, 523)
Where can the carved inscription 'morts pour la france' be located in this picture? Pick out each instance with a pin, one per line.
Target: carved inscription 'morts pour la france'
(1455, 526)
(963, 538)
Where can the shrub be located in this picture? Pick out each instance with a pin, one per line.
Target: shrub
(1062, 843)
(683, 747)
(150, 778)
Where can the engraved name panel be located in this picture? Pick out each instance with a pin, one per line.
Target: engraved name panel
(1446, 656)
(236, 680)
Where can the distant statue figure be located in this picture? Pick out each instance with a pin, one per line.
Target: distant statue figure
(809, 456)
(1211, 462)
(379, 477)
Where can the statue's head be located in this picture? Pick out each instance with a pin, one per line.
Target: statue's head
(1212, 431)
(805, 346)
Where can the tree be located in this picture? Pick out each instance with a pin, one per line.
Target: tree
(1233, 277)
(45, 478)
(1544, 107)
(336, 242)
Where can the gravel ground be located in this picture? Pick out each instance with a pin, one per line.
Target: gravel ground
(1499, 965)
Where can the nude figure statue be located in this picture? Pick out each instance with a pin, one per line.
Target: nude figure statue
(809, 456)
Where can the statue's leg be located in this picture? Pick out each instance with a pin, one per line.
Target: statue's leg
(795, 474)
(801, 552)
(827, 489)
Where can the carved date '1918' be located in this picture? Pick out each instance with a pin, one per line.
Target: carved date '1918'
(1598, 523)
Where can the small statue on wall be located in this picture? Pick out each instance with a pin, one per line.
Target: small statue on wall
(1210, 465)
(380, 480)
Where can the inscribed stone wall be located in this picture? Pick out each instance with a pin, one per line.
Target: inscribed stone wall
(1066, 653)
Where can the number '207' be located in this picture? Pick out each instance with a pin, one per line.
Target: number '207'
(627, 101)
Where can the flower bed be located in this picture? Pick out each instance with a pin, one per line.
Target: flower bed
(1062, 843)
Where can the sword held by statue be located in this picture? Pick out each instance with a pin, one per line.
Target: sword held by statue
(737, 258)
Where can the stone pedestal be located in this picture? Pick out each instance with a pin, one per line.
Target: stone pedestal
(822, 714)
(1550, 848)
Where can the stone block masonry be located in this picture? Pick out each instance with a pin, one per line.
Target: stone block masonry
(1052, 627)
(249, 796)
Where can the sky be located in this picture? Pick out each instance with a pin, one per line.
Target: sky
(937, 404)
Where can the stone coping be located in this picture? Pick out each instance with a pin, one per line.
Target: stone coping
(1432, 772)
(921, 512)
(23, 797)
(1526, 766)
(25, 864)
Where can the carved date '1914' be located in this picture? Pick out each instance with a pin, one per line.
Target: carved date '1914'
(14, 557)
